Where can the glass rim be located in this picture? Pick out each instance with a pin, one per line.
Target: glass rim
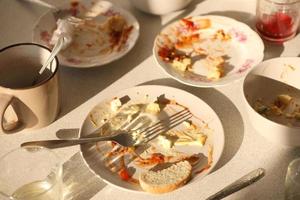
(277, 2)
(31, 147)
(57, 166)
(290, 165)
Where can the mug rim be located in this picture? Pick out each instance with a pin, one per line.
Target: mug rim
(32, 44)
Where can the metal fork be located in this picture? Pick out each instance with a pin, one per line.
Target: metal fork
(122, 137)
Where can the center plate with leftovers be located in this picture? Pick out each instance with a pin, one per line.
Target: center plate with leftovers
(174, 158)
(207, 51)
(103, 33)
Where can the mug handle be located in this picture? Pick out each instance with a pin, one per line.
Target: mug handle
(5, 101)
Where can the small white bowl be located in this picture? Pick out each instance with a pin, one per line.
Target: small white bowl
(269, 79)
(160, 7)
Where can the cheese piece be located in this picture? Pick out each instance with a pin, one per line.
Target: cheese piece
(199, 140)
(187, 124)
(164, 142)
(182, 65)
(284, 99)
(215, 67)
(203, 23)
(153, 108)
(115, 104)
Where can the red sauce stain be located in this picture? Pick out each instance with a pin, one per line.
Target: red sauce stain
(124, 174)
(203, 169)
(73, 60)
(154, 159)
(119, 38)
(89, 45)
(189, 25)
(45, 36)
(74, 8)
(126, 33)
(74, 4)
(277, 26)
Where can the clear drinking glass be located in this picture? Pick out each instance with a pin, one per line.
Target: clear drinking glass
(277, 20)
(33, 173)
(292, 181)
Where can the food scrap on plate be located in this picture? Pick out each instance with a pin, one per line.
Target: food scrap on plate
(183, 44)
(284, 108)
(97, 32)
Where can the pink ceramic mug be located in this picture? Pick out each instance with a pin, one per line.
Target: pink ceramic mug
(27, 100)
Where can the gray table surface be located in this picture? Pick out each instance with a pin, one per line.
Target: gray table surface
(244, 151)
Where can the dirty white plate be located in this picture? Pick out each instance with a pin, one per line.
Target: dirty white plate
(91, 46)
(241, 53)
(263, 84)
(93, 155)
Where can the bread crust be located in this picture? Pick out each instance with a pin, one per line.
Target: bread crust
(164, 188)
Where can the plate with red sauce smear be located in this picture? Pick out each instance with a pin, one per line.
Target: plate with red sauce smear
(200, 140)
(207, 51)
(106, 33)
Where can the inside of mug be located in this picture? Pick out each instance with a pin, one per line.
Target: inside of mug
(20, 65)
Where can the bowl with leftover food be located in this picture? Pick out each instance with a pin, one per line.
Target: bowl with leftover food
(173, 159)
(207, 51)
(272, 95)
(158, 7)
(100, 32)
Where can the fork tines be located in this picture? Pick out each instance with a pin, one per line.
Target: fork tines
(166, 124)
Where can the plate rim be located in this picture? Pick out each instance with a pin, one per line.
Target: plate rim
(214, 84)
(136, 26)
(219, 122)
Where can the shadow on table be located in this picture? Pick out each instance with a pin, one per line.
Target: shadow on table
(229, 115)
(79, 182)
(272, 50)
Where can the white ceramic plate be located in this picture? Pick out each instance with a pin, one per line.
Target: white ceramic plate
(90, 46)
(146, 94)
(241, 53)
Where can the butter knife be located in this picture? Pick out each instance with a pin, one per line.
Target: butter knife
(239, 184)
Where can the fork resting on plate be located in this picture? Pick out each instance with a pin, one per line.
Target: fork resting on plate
(123, 137)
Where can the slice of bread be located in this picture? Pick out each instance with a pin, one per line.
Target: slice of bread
(166, 180)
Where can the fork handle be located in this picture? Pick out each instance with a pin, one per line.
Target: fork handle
(239, 184)
(52, 144)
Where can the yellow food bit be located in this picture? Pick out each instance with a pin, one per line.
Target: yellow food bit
(215, 67)
(221, 35)
(202, 139)
(165, 142)
(284, 100)
(203, 23)
(115, 104)
(182, 65)
(153, 108)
